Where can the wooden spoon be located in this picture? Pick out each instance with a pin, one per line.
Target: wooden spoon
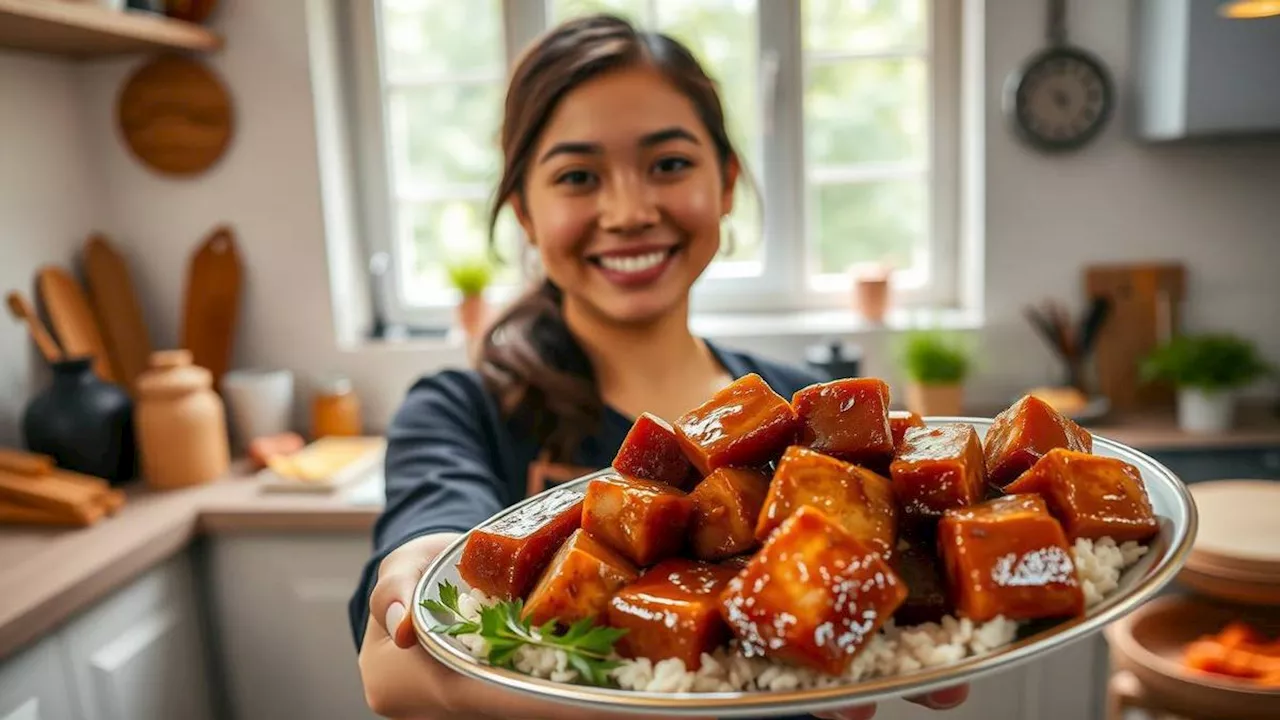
(72, 319)
(22, 312)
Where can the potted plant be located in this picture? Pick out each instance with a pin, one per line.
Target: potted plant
(1206, 369)
(471, 275)
(936, 365)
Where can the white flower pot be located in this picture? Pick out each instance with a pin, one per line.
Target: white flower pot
(1205, 412)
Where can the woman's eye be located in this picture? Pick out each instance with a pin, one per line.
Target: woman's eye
(669, 165)
(575, 178)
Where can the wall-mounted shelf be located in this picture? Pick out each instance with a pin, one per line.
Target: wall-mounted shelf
(85, 30)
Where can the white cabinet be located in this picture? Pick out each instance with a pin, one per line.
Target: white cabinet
(137, 655)
(279, 604)
(34, 685)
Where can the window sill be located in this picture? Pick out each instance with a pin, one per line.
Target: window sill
(828, 322)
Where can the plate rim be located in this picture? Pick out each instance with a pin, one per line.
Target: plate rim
(744, 704)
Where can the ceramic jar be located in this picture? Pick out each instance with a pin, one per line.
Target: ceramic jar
(180, 422)
(84, 423)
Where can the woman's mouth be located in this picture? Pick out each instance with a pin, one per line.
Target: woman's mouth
(632, 269)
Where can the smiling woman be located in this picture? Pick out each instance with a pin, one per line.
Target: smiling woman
(619, 168)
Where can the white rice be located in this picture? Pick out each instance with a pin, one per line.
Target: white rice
(892, 651)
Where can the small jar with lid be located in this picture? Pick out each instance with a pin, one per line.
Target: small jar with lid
(335, 409)
(180, 423)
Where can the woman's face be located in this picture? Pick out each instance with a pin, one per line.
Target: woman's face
(624, 195)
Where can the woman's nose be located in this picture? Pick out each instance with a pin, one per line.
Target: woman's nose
(628, 205)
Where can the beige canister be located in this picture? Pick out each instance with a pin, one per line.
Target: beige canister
(180, 422)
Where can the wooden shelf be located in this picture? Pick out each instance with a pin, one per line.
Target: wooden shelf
(85, 30)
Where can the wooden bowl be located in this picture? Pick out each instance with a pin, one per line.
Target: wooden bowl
(1149, 642)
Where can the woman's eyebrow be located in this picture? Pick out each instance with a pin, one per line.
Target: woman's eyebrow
(571, 148)
(656, 137)
(674, 132)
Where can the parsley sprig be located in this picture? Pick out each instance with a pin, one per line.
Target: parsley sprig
(588, 647)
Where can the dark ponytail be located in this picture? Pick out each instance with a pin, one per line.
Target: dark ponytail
(529, 359)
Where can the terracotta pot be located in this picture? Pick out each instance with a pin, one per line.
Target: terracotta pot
(871, 297)
(180, 422)
(473, 313)
(935, 400)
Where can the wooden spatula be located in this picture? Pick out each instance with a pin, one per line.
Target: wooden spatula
(116, 307)
(72, 320)
(23, 312)
(212, 302)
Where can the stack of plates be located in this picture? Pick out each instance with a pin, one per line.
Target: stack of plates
(1236, 556)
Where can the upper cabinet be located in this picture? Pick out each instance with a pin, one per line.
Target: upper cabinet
(1199, 74)
(86, 30)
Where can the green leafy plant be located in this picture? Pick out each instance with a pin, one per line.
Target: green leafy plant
(588, 647)
(471, 274)
(932, 357)
(1209, 361)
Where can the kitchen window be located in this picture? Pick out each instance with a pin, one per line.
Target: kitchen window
(846, 112)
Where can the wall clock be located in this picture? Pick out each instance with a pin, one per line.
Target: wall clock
(1063, 96)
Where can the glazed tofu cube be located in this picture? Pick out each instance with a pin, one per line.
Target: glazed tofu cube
(1092, 496)
(645, 521)
(900, 421)
(737, 562)
(672, 611)
(651, 451)
(813, 595)
(582, 577)
(505, 558)
(938, 468)
(921, 571)
(1008, 557)
(746, 423)
(726, 506)
(859, 500)
(1023, 433)
(846, 419)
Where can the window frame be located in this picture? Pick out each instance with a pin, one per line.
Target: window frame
(782, 178)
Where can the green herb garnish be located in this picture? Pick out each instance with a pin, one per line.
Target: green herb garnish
(587, 646)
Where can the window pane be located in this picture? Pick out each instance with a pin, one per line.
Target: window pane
(438, 37)
(434, 233)
(870, 222)
(446, 134)
(866, 111)
(864, 25)
(633, 10)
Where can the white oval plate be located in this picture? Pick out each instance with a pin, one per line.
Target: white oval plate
(1140, 582)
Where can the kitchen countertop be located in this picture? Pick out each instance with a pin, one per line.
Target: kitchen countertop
(48, 574)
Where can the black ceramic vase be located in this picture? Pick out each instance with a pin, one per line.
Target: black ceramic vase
(83, 422)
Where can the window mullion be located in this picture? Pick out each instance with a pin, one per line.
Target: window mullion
(782, 172)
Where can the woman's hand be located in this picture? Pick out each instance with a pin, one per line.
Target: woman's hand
(943, 699)
(402, 681)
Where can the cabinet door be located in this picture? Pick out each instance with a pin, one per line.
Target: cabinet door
(139, 654)
(280, 609)
(34, 685)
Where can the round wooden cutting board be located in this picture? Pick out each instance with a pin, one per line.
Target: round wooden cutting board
(175, 115)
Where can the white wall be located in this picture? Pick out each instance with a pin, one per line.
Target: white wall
(49, 202)
(1212, 207)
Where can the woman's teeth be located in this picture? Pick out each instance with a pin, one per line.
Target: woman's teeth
(634, 263)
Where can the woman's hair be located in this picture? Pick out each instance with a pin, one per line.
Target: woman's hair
(528, 358)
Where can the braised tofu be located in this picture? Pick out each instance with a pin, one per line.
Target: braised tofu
(645, 521)
(651, 451)
(672, 611)
(1008, 557)
(1023, 433)
(737, 562)
(900, 421)
(578, 583)
(726, 506)
(846, 419)
(921, 571)
(937, 468)
(744, 424)
(813, 595)
(859, 500)
(505, 558)
(1092, 496)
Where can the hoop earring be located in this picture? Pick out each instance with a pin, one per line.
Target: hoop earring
(728, 238)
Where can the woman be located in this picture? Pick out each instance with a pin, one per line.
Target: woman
(620, 170)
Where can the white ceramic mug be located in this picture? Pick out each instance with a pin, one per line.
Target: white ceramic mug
(260, 402)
